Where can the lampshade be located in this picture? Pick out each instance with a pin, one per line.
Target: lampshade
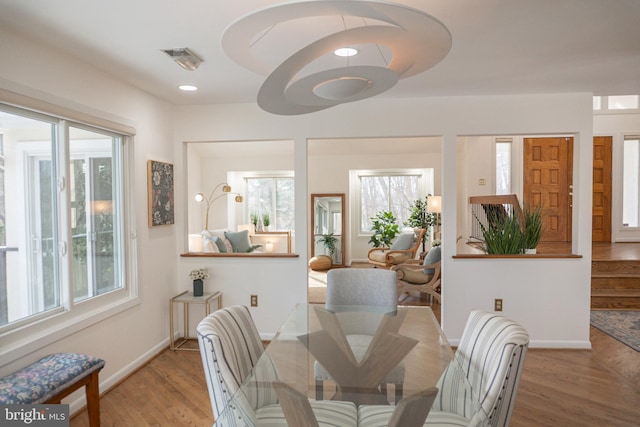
(434, 204)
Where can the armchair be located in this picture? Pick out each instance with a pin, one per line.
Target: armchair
(402, 250)
(423, 277)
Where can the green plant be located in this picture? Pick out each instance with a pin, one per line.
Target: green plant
(329, 241)
(504, 235)
(266, 219)
(254, 219)
(421, 218)
(385, 229)
(532, 227)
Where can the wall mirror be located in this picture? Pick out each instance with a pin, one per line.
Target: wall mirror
(327, 226)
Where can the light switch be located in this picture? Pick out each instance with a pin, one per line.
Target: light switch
(482, 181)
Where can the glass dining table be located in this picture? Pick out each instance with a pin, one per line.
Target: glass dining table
(358, 346)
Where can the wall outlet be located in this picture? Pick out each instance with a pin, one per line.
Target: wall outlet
(497, 304)
(254, 300)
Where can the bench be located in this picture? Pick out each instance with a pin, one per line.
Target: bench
(54, 377)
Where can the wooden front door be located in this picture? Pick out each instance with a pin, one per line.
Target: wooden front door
(601, 223)
(548, 170)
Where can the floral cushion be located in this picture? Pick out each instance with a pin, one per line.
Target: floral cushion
(47, 377)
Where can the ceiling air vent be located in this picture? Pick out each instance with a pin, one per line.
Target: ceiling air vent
(184, 57)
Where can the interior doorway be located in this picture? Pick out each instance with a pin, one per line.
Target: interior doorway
(548, 184)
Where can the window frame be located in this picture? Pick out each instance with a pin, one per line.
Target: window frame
(26, 335)
(355, 185)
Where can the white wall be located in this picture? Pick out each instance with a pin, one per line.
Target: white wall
(129, 338)
(561, 321)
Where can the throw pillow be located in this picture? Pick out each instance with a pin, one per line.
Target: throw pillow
(239, 240)
(222, 247)
(404, 242)
(432, 257)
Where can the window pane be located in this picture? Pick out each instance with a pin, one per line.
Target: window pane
(623, 102)
(503, 168)
(374, 197)
(404, 192)
(285, 204)
(272, 196)
(28, 272)
(597, 102)
(630, 187)
(95, 262)
(395, 193)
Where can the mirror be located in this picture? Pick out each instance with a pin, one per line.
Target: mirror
(327, 226)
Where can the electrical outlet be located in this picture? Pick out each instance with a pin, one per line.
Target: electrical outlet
(254, 300)
(497, 304)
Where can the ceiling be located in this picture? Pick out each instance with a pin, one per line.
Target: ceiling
(498, 46)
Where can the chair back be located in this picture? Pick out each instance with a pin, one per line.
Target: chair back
(362, 286)
(230, 347)
(491, 353)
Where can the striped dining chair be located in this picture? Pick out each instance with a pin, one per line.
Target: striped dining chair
(491, 353)
(230, 347)
(233, 356)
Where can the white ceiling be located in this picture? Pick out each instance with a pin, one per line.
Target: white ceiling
(499, 46)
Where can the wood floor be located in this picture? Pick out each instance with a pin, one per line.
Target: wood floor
(559, 388)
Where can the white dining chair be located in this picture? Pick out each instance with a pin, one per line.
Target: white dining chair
(366, 287)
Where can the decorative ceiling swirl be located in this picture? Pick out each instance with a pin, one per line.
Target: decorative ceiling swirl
(393, 41)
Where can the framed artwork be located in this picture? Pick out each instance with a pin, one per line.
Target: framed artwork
(160, 192)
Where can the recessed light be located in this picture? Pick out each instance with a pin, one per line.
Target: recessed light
(346, 51)
(188, 88)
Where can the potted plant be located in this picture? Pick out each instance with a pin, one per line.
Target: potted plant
(384, 228)
(532, 228)
(420, 218)
(503, 235)
(329, 241)
(266, 220)
(254, 219)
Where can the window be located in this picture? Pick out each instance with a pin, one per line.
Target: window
(616, 103)
(61, 215)
(391, 191)
(503, 166)
(630, 186)
(272, 196)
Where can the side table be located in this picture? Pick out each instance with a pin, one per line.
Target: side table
(186, 298)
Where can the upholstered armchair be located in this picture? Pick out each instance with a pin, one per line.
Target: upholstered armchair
(404, 248)
(420, 277)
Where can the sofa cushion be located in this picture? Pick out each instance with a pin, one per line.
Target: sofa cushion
(396, 258)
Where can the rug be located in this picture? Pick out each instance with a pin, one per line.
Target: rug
(317, 289)
(623, 325)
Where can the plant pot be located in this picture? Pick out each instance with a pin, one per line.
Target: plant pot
(198, 288)
(530, 251)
